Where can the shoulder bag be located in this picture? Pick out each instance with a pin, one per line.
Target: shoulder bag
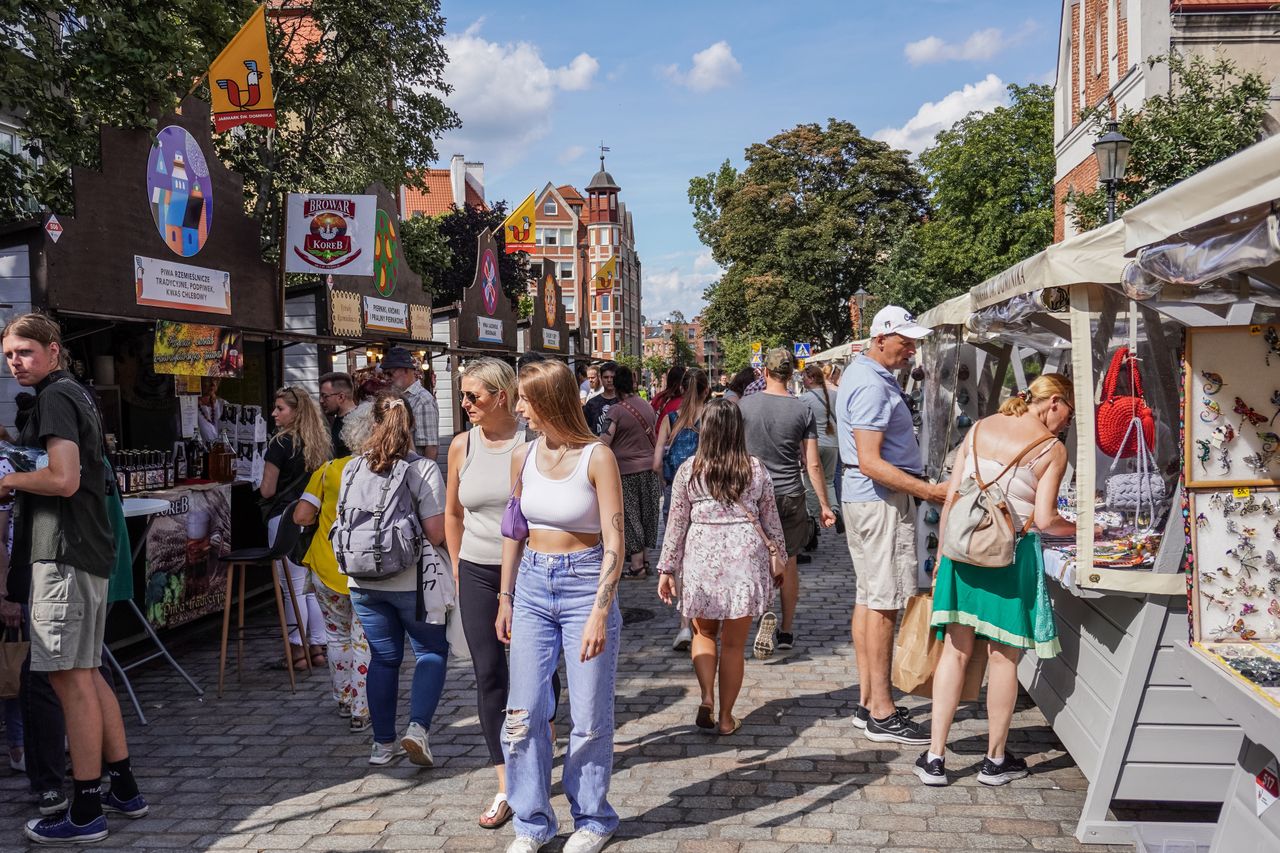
(981, 528)
(648, 430)
(514, 524)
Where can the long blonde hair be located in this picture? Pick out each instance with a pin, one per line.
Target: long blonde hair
(549, 387)
(496, 376)
(1045, 387)
(308, 428)
(392, 436)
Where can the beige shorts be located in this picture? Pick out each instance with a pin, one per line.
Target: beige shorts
(882, 544)
(796, 525)
(68, 618)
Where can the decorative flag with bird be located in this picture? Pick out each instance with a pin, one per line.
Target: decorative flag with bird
(607, 276)
(240, 79)
(520, 226)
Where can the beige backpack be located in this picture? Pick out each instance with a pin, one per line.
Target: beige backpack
(982, 529)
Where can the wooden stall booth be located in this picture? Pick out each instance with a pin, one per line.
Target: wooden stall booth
(1207, 257)
(1113, 695)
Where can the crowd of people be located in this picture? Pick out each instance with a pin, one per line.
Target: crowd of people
(554, 496)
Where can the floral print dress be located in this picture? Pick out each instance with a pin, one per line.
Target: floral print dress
(715, 549)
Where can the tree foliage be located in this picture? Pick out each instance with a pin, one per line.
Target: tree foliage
(801, 228)
(335, 69)
(682, 352)
(1212, 110)
(442, 249)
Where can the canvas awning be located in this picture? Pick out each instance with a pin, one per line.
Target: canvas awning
(1095, 256)
(842, 352)
(954, 312)
(1248, 179)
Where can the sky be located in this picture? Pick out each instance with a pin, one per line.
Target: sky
(676, 88)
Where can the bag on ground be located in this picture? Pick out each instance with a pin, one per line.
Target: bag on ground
(917, 650)
(377, 533)
(12, 653)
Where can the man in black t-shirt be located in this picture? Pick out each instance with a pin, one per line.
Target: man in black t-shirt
(597, 408)
(337, 399)
(70, 546)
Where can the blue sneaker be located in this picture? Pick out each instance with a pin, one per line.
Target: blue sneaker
(134, 808)
(60, 830)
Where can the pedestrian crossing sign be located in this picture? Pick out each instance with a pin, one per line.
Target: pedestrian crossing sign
(803, 350)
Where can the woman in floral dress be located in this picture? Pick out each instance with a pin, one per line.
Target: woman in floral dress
(721, 533)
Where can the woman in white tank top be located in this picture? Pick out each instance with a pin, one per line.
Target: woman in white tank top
(559, 593)
(1007, 606)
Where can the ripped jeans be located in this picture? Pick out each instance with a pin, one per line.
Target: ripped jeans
(554, 596)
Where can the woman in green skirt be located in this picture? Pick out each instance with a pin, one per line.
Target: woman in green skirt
(1008, 606)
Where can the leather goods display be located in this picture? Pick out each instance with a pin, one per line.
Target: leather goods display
(1116, 410)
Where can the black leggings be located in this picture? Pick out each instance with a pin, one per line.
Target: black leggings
(478, 591)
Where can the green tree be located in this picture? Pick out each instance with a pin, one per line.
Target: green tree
(447, 269)
(801, 228)
(426, 249)
(655, 366)
(1212, 110)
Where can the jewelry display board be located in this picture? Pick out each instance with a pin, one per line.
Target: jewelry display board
(1232, 406)
(1257, 665)
(1236, 584)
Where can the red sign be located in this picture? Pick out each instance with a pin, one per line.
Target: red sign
(53, 228)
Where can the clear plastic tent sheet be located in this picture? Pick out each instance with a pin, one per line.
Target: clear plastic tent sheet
(1252, 244)
(941, 356)
(1020, 321)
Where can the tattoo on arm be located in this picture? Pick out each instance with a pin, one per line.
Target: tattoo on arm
(617, 521)
(608, 583)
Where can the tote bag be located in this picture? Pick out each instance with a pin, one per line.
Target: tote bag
(13, 652)
(917, 650)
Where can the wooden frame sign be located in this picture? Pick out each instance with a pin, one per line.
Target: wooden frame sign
(486, 318)
(1232, 396)
(549, 332)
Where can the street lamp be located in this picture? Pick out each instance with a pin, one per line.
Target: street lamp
(860, 298)
(1112, 153)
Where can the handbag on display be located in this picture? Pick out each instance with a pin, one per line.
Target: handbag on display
(1116, 411)
(1142, 489)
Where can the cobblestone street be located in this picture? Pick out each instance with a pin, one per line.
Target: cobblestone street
(262, 769)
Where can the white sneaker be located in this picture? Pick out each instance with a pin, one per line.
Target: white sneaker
(524, 844)
(384, 753)
(586, 841)
(683, 638)
(415, 744)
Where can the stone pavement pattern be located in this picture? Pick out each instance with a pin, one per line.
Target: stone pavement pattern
(263, 769)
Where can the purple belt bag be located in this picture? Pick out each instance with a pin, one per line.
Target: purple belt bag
(514, 524)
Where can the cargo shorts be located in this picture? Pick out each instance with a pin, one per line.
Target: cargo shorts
(882, 544)
(68, 617)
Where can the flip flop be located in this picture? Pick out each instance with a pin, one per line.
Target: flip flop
(497, 815)
(704, 720)
(737, 724)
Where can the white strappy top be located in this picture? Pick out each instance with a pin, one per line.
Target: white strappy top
(1019, 484)
(570, 504)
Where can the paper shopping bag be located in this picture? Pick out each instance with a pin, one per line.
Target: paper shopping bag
(917, 650)
(12, 654)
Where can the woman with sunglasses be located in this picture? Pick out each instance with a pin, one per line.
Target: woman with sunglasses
(478, 486)
(1018, 448)
(302, 444)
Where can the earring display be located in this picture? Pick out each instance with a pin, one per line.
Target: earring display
(1237, 572)
(1231, 394)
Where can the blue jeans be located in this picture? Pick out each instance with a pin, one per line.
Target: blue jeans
(387, 617)
(554, 596)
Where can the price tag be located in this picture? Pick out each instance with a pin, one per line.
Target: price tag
(1241, 492)
(1268, 787)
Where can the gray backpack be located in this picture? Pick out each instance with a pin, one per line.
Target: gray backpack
(377, 533)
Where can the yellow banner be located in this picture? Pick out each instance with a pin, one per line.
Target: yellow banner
(608, 275)
(194, 349)
(520, 226)
(240, 79)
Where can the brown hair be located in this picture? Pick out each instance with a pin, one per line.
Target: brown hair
(309, 427)
(815, 375)
(341, 383)
(549, 387)
(722, 466)
(1046, 387)
(392, 436)
(695, 393)
(40, 328)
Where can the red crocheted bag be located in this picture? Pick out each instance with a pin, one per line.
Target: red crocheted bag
(1116, 412)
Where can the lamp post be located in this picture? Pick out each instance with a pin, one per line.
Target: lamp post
(1112, 153)
(860, 298)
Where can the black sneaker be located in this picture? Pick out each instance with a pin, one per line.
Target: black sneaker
(786, 641)
(861, 715)
(896, 729)
(52, 803)
(931, 772)
(1003, 773)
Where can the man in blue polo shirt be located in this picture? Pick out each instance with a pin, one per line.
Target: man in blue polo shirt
(882, 485)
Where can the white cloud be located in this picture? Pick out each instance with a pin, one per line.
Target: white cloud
(573, 152)
(980, 45)
(678, 287)
(918, 133)
(713, 68)
(504, 94)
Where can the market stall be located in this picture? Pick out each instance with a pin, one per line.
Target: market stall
(1113, 696)
(167, 311)
(1207, 256)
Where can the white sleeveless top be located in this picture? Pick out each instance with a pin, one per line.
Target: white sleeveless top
(1019, 484)
(570, 504)
(484, 483)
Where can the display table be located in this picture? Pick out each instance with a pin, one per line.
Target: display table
(1240, 828)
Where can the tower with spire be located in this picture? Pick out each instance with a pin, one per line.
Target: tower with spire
(615, 316)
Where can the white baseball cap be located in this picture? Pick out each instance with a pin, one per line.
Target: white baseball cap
(892, 320)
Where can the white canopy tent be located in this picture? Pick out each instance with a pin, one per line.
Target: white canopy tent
(1094, 256)
(954, 312)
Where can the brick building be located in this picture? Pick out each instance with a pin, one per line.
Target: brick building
(658, 342)
(615, 312)
(561, 243)
(461, 184)
(1103, 48)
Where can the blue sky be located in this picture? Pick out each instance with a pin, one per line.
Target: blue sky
(674, 88)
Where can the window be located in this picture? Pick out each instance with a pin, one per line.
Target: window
(566, 270)
(569, 303)
(549, 207)
(566, 236)
(606, 342)
(550, 236)
(690, 334)
(604, 302)
(613, 202)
